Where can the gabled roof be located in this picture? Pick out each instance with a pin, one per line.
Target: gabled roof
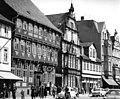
(91, 23)
(27, 9)
(100, 26)
(58, 19)
(5, 20)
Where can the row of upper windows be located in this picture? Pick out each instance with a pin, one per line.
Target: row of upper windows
(71, 62)
(34, 48)
(72, 49)
(38, 31)
(4, 30)
(91, 66)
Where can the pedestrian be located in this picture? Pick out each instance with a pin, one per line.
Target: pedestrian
(90, 90)
(22, 94)
(83, 90)
(4, 89)
(53, 92)
(67, 93)
(45, 91)
(58, 89)
(14, 88)
(32, 92)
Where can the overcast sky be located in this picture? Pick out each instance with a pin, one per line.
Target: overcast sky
(98, 10)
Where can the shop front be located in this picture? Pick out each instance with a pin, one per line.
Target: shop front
(8, 79)
(90, 81)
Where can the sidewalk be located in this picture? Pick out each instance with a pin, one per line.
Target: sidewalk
(29, 97)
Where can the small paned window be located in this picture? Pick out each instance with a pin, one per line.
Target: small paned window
(19, 73)
(22, 45)
(34, 48)
(28, 47)
(40, 32)
(6, 55)
(19, 23)
(30, 29)
(16, 44)
(25, 25)
(45, 34)
(35, 31)
(6, 31)
(94, 53)
(53, 37)
(39, 51)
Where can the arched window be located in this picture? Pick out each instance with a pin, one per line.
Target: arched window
(16, 44)
(40, 32)
(30, 29)
(19, 23)
(35, 31)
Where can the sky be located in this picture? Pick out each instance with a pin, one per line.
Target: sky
(98, 10)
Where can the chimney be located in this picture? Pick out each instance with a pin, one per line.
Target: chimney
(82, 18)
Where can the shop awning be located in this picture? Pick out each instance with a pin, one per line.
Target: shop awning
(9, 76)
(91, 76)
(110, 81)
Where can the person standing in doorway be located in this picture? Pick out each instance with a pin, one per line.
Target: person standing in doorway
(14, 88)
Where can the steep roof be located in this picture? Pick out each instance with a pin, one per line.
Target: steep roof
(58, 19)
(27, 9)
(5, 20)
(100, 26)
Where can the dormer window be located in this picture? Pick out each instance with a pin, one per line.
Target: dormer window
(94, 53)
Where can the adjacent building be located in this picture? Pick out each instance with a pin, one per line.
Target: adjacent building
(5, 55)
(91, 67)
(96, 32)
(35, 45)
(69, 69)
(116, 57)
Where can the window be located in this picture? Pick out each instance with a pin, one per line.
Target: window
(35, 31)
(30, 29)
(19, 73)
(87, 65)
(90, 66)
(94, 53)
(22, 45)
(25, 76)
(13, 71)
(33, 48)
(6, 31)
(25, 26)
(5, 54)
(90, 52)
(45, 34)
(28, 47)
(40, 32)
(19, 23)
(16, 44)
(93, 67)
(84, 65)
(53, 37)
(31, 67)
(39, 51)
